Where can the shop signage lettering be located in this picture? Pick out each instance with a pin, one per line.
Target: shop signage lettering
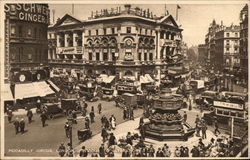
(228, 105)
(69, 50)
(29, 12)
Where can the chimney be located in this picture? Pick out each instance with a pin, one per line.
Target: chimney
(148, 13)
(127, 7)
(221, 23)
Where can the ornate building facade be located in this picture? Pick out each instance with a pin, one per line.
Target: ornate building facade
(123, 42)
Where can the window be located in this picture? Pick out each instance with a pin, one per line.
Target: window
(29, 56)
(236, 34)
(104, 31)
(113, 30)
(235, 48)
(90, 56)
(139, 56)
(227, 49)
(20, 31)
(145, 56)
(97, 56)
(96, 31)
(227, 34)
(113, 56)
(13, 30)
(146, 31)
(151, 32)
(89, 32)
(29, 32)
(150, 56)
(140, 30)
(161, 35)
(105, 56)
(128, 29)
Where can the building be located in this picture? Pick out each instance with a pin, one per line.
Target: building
(227, 48)
(202, 54)
(244, 43)
(26, 44)
(210, 43)
(125, 42)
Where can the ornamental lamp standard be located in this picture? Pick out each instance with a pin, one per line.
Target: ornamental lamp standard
(231, 80)
(70, 122)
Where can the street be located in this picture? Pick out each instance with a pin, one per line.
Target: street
(46, 140)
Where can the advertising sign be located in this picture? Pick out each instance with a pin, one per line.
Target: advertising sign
(228, 105)
(28, 12)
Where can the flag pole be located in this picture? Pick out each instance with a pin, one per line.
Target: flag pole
(176, 12)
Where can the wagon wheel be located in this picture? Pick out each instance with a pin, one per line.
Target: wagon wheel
(51, 116)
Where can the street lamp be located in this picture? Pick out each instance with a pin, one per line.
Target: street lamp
(232, 86)
(70, 122)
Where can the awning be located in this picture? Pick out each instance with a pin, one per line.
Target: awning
(26, 90)
(43, 88)
(108, 79)
(53, 85)
(6, 93)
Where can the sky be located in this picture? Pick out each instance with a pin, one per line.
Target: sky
(193, 18)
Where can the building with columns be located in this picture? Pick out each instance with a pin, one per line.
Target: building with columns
(127, 41)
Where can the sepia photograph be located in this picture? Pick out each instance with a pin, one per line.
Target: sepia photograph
(124, 79)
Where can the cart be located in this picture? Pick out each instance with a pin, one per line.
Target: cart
(84, 134)
(52, 110)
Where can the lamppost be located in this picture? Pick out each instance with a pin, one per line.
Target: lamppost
(232, 85)
(70, 122)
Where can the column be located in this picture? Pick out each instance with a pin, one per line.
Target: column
(74, 39)
(66, 43)
(109, 54)
(164, 52)
(158, 46)
(94, 55)
(158, 76)
(142, 55)
(136, 75)
(120, 75)
(101, 55)
(58, 40)
(83, 37)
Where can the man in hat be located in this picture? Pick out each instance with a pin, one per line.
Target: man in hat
(62, 150)
(16, 124)
(99, 108)
(22, 126)
(10, 115)
(83, 152)
(151, 151)
(29, 115)
(102, 150)
(185, 116)
(43, 118)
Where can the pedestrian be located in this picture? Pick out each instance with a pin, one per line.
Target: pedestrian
(216, 130)
(112, 121)
(74, 116)
(195, 151)
(92, 116)
(112, 139)
(87, 122)
(144, 152)
(10, 115)
(141, 122)
(16, 124)
(61, 150)
(111, 153)
(67, 129)
(159, 153)
(104, 134)
(177, 152)
(99, 108)
(185, 117)
(125, 113)
(83, 152)
(22, 126)
(142, 131)
(43, 119)
(204, 130)
(70, 153)
(29, 115)
(126, 153)
(129, 139)
(102, 150)
(92, 109)
(151, 151)
(131, 113)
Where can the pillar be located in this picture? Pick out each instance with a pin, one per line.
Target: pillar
(136, 75)
(66, 43)
(120, 75)
(164, 52)
(158, 46)
(83, 37)
(101, 55)
(142, 54)
(58, 40)
(74, 39)
(158, 76)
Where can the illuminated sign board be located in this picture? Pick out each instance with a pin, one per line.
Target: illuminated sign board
(228, 105)
(28, 12)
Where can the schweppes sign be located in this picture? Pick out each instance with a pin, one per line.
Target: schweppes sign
(28, 12)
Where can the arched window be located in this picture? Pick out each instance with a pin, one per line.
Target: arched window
(128, 73)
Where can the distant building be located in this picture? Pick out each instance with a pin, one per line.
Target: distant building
(244, 43)
(202, 54)
(227, 48)
(129, 42)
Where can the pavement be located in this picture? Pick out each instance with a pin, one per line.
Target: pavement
(93, 144)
